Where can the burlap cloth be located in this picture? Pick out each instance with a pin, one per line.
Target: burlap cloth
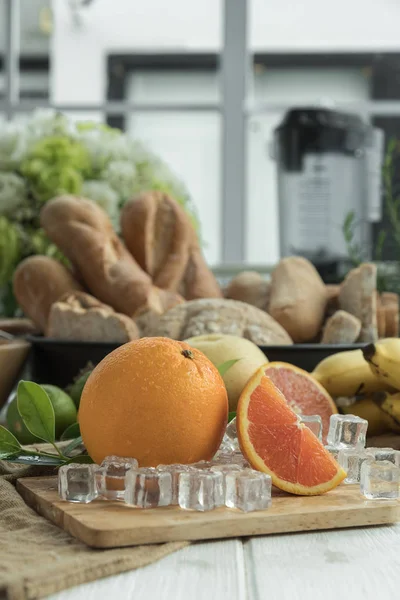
(38, 559)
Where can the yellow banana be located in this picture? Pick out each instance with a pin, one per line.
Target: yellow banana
(367, 408)
(383, 358)
(347, 374)
(390, 406)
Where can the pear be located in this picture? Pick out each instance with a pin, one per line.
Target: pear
(220, 348)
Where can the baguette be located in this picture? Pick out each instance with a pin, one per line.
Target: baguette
(159, 235)
(358, 297)
(298, 298)
(80, 317)
(38, 282)
(84, 233)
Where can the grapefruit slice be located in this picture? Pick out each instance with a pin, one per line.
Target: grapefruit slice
(303, 393)
(274, 441)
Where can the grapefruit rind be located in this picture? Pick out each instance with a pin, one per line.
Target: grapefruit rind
(256, 461)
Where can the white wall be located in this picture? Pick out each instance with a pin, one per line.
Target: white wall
(128, 26)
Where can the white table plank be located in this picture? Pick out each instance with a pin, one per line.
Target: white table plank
(361, 564)
(202, 571)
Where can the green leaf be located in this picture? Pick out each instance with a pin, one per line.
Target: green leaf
(36, 410)
(9, 445)
(71, 432)
(34, 460)
(74, 444)
(231, 416)
(222, 369)
(81, 459)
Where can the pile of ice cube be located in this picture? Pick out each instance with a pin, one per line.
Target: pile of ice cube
(377, 470)
(227, 480)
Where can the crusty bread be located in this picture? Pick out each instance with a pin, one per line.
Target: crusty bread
(199, 317)
(389, 298)
(84, 233)
(298, 298)
(341, 328)
(161, 237)
(332, 292)
(38, 282)
(80, 317)
(18, 327)
(392, 320)
(390, 306)
(380, 316)
(358, 297)
(156, 232)
(250, 287)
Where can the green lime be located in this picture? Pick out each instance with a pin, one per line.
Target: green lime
(64, 408)
(64, 411)
(75, 390)
(16, 425)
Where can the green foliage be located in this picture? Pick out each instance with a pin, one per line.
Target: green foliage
(10, 249)
(36, 410)
(222, 369)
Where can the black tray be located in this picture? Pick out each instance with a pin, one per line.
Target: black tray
(58, 361)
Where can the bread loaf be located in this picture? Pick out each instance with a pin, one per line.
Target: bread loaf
(200, 317)
(80, 317)
(298, 298)
(390, 306)
(341, 328)
(38, 282)
(161, 237)
(358, 297)
(84, 233)
(249, 287)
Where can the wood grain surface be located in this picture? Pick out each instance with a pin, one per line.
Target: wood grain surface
(103, 524)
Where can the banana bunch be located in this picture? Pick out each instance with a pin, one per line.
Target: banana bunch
(383, 358)
(371, 377)
(9, 250)
(348, 374)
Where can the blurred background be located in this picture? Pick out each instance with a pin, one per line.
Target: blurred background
(205, 85)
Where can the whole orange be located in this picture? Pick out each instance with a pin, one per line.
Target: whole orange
(157, 400)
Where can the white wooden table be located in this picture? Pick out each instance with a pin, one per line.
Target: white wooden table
(352, 564)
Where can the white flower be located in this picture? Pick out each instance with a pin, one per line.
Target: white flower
(103, 147)
(13, 193)
(12, 146)
(103, 194)
(121, 175)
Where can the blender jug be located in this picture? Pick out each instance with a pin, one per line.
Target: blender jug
(328, 164)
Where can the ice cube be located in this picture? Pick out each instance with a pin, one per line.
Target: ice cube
(380, 480)
(76, 483)
(230, 440)
(248, 490)
(111, 476)
(202, 465)
(385, 454)
(175, 471)
(333, 451)
(313, 422)
(229, 458)
(351, 460)
(148, 488)
(200, 490)
(347, 431)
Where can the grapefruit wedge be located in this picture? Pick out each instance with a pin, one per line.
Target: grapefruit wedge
(303, 393)
(274, 441)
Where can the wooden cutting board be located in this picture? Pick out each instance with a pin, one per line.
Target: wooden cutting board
(103, 524)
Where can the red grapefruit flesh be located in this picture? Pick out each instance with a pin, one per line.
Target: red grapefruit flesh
(274, 441)
(303, 393)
